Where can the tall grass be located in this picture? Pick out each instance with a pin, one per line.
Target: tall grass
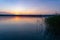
(53, 24)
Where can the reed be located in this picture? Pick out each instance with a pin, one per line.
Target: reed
(53, 24)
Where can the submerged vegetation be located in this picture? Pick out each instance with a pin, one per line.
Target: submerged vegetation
(53, 24)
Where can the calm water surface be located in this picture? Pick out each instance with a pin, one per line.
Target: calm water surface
(22, 28)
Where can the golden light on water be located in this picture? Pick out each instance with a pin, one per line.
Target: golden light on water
(16, 19)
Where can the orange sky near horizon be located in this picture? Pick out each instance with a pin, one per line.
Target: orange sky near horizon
(30, 7)
(26, 12)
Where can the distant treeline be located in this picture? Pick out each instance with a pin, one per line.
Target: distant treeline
(29, 15)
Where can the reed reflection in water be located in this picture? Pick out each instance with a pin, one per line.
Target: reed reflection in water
(22, 28)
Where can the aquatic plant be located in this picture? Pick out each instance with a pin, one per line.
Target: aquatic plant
(53, 24)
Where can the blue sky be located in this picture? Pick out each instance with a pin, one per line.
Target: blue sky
(32, 6)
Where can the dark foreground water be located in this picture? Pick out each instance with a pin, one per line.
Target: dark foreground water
(23, 28)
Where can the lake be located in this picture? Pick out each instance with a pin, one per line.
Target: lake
(23, 28)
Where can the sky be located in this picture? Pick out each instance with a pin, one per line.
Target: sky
(30, 6)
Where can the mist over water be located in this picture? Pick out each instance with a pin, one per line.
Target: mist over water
(22, 28)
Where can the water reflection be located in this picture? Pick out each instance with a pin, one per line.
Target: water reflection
(22, 28)
(18, 19)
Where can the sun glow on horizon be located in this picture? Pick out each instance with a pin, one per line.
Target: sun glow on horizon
(21, 12)
(26, 12)
(34, 7)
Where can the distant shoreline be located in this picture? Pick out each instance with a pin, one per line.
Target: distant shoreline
(30, 15)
